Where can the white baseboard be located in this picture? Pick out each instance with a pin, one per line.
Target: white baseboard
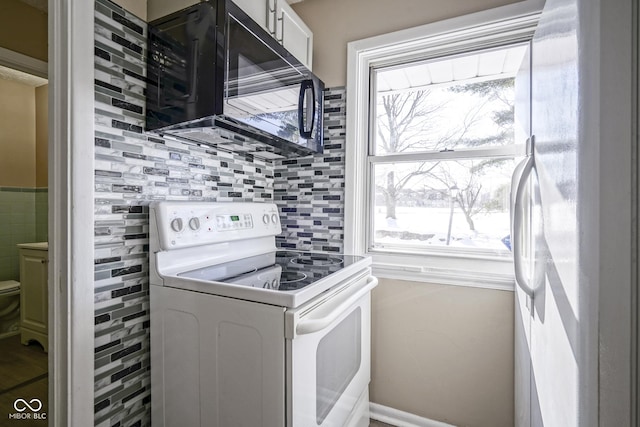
(399, 418)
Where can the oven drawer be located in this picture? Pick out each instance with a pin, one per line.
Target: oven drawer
(328, 355)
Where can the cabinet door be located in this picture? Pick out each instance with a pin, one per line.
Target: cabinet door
(33, 290)
(261, 11)
(294, 34)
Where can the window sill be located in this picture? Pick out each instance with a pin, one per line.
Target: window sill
(488, 273)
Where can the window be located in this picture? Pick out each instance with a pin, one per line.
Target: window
(441, 153)
(431, 120)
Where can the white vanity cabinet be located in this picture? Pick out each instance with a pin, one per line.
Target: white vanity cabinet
(279, 19)
(34, 295)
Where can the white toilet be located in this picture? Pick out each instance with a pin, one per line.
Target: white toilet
(9, 308)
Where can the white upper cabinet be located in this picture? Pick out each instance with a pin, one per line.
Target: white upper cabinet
(279, 19)
(261, 11)
(275, 16)
(293, 33)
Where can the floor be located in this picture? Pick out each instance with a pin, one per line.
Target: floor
(23, 375)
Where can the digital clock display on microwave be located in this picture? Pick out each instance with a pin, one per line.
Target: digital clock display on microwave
(235, 218)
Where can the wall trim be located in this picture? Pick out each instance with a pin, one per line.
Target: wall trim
(400, 418)
(24, 63)
(71, 122)
(445, 276)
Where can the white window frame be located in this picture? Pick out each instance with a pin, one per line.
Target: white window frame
(500, 26)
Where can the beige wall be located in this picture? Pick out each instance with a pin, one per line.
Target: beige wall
(23, 29)
(42, 132)
(23, 109)
(137, 7)
(17, 135)
(336, 22)
(443, 352)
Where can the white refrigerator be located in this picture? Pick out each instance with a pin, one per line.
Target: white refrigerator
(575, 209)
(552, 366)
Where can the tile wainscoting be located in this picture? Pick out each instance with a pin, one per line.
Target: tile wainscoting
(23, 219)
(133, 168)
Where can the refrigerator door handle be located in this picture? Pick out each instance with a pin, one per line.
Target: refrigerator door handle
(517, 211)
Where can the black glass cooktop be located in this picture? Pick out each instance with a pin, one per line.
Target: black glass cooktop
(278, 270)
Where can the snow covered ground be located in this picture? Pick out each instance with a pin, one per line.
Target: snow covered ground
(428, 227)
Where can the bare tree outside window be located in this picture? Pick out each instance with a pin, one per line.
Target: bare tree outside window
(416, 198)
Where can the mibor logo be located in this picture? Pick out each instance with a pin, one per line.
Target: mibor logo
(27, 410)
(21, 405)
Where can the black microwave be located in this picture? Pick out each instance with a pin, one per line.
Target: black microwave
(210, 67)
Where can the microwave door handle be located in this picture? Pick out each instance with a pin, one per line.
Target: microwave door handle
(305, 85)
(311, 105)
(309, 326)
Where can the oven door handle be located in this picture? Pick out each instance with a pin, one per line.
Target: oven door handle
(310, 326)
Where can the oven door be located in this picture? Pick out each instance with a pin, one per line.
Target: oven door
(329, 357)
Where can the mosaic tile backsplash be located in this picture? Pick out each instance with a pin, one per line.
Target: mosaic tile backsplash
(133, 168)
(309, 191)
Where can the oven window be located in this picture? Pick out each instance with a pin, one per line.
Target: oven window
(337, 360)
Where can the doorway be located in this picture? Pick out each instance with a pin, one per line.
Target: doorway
(24, 363)
(69, 30)
(23, 237)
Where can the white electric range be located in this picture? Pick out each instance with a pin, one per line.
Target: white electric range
(244, 334)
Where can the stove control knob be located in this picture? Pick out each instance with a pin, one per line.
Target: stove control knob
(194, 223)
(176, 225)
(274, 218)
(265, 218)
